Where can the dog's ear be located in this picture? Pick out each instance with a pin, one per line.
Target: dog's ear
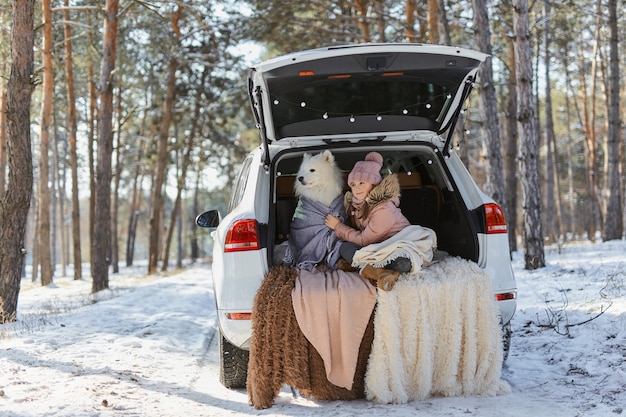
(306, 156)
(328, 156)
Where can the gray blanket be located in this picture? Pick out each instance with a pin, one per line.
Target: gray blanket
(310, 240)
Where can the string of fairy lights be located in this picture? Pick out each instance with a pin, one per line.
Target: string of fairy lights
(406, 110)
(352, 116)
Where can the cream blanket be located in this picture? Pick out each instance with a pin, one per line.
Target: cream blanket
(333, 309)
(414, 242)
(437, 333)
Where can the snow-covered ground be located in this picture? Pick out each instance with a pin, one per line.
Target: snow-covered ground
(148, 347)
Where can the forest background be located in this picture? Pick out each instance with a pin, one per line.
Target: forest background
(122, 120)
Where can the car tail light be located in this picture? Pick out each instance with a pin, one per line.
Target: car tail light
(494, 219)
(241, 236)
(239, 316)
(506, 296)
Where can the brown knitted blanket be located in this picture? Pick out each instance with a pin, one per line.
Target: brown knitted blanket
(280, 353)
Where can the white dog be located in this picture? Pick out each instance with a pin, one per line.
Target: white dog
(319, 178)
(319, 187)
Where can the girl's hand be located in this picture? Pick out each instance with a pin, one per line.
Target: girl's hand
(331, 221)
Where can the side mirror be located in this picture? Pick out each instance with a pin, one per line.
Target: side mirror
(209, 218)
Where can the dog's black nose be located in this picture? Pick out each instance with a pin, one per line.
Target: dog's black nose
(301, 179)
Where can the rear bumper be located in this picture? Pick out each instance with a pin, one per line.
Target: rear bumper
(237, 332)
(507, 310)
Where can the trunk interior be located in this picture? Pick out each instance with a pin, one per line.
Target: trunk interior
(426, 199)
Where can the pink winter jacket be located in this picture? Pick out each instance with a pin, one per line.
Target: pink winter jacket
(383, 220)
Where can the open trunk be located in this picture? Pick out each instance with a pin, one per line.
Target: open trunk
(428, 196)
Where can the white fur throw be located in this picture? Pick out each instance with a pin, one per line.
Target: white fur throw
(437, 333)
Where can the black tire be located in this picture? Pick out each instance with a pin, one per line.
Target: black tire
(506, 340)
(233, 364)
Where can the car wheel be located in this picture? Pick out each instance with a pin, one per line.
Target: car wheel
(233, 364)
(506, 340)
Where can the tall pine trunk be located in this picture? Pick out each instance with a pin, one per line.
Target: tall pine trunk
(410, 14)
(613, 225)
(115, 267)
(43, 190)
(91, 143)
(432, 17)
(589, 117)
(361, 9)
(510, 144)
(185, 162)
(3, 140)
(16, 200)
(71, 123)
(156, 213)
(528, 150)
(193, 236)
(571, 223)
(59, 176)
(135, 205)
(553, 192)
(102, 223)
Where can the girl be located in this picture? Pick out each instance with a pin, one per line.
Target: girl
(372, 208)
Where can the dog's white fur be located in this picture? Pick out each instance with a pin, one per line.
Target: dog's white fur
(319, 178)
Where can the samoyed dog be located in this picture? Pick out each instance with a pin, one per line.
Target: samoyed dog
(319, 178)
(319, 188)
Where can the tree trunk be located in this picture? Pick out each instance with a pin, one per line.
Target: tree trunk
(43, 225)
(488, 107)
(361, 8)
(571, 224)
(510, 145)
(179, 236)
(34, 256)
(16, 200)
(576, 195)
(71, 123)
(589, 117)
(115, 266)
(185, 162)
(135, 205)
(91, 143)
(58, 207)
(553, 207)
(165, 255)
(444, 27)
(156, 213)
(613, 226)
(102, 222)
(410, 13)
(155, 222)
(432, 18)
(193, 236)
(3, 140)
(528, 151)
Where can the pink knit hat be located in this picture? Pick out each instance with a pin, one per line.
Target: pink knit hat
(367, 170)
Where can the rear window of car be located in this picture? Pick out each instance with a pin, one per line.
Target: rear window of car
(348, 103)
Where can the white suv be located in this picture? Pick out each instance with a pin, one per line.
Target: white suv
(401, 100)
